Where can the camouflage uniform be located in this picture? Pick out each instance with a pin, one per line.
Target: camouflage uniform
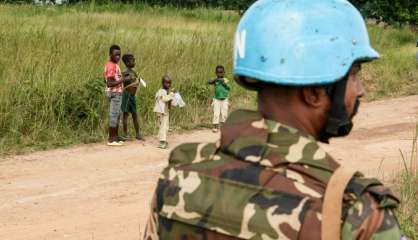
(264, 180)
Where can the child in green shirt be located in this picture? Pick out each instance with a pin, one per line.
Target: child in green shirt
(220, 101)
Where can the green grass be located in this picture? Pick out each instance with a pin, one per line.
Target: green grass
(51, 87)
(51, 63)
(408, 211)
(396, 73)
(406, 186)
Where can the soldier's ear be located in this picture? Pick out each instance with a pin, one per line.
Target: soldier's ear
(315, 97)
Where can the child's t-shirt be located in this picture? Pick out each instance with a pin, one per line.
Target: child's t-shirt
(162, 97)
(112, 70)
(130, 83)
(222, 89)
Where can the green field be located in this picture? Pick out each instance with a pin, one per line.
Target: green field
(51, 86)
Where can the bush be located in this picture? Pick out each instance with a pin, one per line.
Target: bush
(390, 11)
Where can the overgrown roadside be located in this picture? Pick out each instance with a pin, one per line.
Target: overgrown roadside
(406, 186)
(407, 190)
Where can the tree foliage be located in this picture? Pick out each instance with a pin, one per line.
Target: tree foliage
(388, 11)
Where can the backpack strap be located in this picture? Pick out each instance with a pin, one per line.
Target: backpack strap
(333, 201)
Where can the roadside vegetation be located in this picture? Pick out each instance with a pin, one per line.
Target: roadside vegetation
(51, 85)
(396, 73)
(408, 211)
(406, 188)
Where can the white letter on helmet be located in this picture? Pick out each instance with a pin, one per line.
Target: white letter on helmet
(240, 43)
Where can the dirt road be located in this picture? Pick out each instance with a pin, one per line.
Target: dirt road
(96, 192)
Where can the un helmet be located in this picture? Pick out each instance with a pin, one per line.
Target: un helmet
(299, 42)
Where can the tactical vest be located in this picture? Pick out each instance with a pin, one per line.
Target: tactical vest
(263, 180)
(192, 198)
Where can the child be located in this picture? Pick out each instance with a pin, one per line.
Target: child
(220, 101)
(114, 91)
(163, 101)
(130, 87)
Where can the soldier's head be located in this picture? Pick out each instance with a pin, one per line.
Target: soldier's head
(304, 65)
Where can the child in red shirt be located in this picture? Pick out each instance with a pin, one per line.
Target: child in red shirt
(114, 81)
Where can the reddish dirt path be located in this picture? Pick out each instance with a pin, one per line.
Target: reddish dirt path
(96, 192)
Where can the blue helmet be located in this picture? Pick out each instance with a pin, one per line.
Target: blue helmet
(299, 42)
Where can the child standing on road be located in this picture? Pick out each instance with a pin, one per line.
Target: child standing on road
(163, 101)
(220, 101)
(114, 80)
(130, 87)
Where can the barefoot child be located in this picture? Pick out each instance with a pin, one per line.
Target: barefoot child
(220, 101)
(130, 87)
(163, 100)
(114, 91)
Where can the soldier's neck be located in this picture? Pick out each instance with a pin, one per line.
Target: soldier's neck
(292, 115)
(285, 118)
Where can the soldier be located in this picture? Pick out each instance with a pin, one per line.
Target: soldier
(267, 177)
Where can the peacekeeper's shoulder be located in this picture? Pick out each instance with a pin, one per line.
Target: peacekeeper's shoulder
(205, 191)
(368, 211)
(192, 153)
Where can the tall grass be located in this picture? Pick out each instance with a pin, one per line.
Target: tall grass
(52, 58)
(51, 86)
(407, 189)
(396, 73)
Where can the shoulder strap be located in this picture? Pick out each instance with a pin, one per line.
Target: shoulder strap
(332, 205)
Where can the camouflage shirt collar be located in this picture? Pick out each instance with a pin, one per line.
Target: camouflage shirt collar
(249, 137)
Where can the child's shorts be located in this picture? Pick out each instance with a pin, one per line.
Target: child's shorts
(128, 103)
(114, 108)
